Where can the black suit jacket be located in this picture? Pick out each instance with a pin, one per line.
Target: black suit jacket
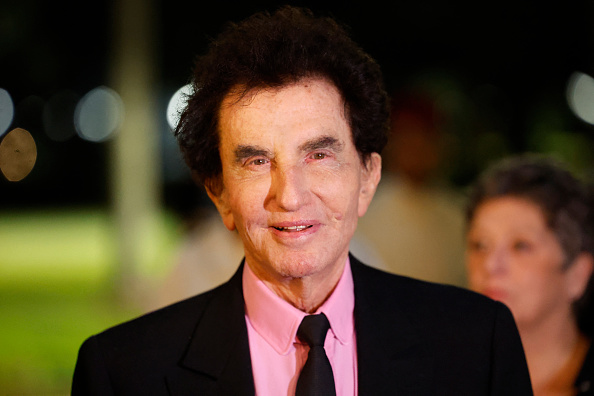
(413, 338)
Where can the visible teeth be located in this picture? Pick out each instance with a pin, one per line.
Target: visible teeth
(292, 228)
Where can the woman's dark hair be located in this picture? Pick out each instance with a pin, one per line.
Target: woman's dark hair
(564, 200)
(271, 51)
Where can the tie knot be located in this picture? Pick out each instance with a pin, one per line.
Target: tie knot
(313, 329)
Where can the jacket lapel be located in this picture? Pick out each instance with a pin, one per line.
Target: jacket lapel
(392, 359)
(217, 361)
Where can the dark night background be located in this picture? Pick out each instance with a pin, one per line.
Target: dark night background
(520, 53)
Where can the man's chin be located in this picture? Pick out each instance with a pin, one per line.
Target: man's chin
(298, 268)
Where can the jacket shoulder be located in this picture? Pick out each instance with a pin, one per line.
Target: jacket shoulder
(429, 305)
(167, 329)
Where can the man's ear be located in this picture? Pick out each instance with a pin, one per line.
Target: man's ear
(371, 173)
(578, 275)
(218, 195)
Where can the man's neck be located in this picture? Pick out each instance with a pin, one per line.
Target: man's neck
(306, 293)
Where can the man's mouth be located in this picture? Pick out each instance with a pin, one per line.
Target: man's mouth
(293, 228)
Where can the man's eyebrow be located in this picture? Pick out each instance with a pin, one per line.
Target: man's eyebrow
(322, 142)
(242, 152)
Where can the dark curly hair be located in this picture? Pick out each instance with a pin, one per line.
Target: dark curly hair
(566, 203)
(270, 51)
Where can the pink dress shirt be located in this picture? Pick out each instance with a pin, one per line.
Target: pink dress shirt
(278, 356)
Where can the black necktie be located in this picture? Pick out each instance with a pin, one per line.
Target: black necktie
(316, 378)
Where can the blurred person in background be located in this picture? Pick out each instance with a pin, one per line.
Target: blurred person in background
(206, 257)
(530, 246)
(415, 224)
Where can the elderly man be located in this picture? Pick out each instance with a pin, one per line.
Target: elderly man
(284, 128)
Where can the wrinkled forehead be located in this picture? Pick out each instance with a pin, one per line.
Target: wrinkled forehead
(307, 99)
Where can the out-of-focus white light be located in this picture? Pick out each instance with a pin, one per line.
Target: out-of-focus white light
(6, 111)
(580, 96)
(99, 114)
(176, 105)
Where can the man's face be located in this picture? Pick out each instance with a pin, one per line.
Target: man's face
(293, 183)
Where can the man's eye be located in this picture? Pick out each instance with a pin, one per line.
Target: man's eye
(258, 161)
(318, 156)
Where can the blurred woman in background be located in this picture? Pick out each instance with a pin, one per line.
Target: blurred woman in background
(530, 246)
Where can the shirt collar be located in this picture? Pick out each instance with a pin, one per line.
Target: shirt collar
(277, 321)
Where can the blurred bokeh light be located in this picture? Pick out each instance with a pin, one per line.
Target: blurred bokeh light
(580, 95)
(58, 115)
(176, 104)
(99, 114)
(6, 111)
(18, 153)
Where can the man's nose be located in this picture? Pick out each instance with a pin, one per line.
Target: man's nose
(289, 188)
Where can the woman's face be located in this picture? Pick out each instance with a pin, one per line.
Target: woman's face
(512, 256)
